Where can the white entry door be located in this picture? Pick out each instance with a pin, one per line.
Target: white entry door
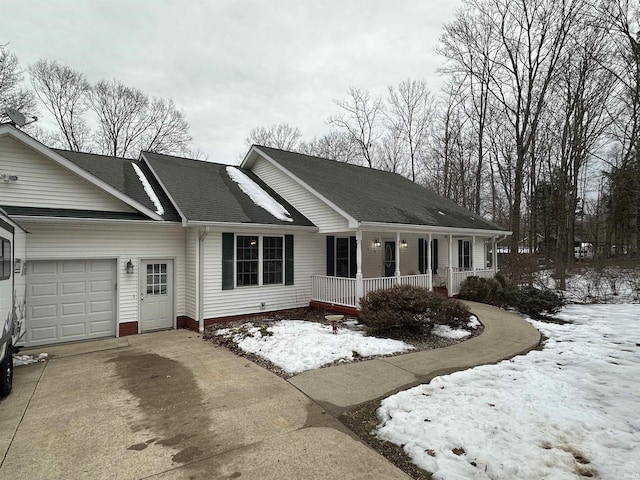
(156, 295)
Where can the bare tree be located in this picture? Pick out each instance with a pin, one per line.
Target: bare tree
(410, 113)
(12, 94)
(360, 119)
(526, 41)
(335, 145)
(282, 136)
(128, 121)
(64, 92)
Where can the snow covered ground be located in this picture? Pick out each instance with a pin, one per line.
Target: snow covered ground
(19, 360)
(568, 411)
(296, 345)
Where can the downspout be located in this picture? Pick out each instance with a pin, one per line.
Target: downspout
(200, 278)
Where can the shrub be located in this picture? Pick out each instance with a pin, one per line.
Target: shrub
(411, 308)
(532, 301)
(479, 289)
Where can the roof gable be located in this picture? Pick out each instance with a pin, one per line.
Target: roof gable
(49, 179)
(376, 196)
(204, 192)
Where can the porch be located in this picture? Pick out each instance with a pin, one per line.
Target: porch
(370, 261)
(343, 292)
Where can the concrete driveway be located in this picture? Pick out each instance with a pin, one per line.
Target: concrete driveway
(169, 405)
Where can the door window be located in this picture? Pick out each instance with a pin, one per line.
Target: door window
(156, 278)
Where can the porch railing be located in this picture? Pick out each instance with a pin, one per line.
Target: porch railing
(342, 291)
(458, 275)
(334, 290)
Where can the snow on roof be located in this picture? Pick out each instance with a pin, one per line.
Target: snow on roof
(147, 188)
(258, 195)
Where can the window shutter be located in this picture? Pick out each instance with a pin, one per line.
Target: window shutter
(288, 259)
(331, 252)
(227, 261)
(434, 256)
(421, 266)
(353, 265)
(460, 254)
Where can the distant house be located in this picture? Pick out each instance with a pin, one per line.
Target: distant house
(119, 246)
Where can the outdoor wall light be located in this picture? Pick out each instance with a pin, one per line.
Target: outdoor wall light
(129, 266)
(404, 244)
(376, 243)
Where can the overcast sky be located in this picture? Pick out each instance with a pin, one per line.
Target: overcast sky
(234, 65)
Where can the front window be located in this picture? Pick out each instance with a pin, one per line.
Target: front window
(5, 259)
(259, 260)
(272, 260)
(464, 254)
(342, 257)
(247, 260)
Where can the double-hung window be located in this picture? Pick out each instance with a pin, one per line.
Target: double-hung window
(259, 260)
(464, 254)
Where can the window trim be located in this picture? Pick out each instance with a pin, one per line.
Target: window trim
(461, 253)
(4, 261)
(260, 261)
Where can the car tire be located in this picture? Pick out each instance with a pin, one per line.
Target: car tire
(6, 372)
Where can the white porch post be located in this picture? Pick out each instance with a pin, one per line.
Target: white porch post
(472, 253)
(450, 259)
(397, 272)
(494, 256)
(429, 268)
(359, 282)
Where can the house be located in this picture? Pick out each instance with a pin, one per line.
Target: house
(120, 246)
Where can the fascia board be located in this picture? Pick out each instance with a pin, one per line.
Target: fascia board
(395, 227)
(251, 226)
(69, 165)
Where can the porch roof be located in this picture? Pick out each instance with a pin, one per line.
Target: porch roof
(376, 196)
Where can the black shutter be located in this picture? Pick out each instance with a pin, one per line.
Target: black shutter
(434, 256)
(331, 252)
(460, 253)
(288, 259)
(421, 267)
(353, 265)
(227, 261)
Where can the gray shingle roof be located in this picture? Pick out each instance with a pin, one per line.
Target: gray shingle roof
(204, 192)
(119, 173)
(370, 195)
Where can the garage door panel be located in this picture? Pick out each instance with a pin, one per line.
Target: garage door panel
(39, 312)
(73, 288)
(70, 300)
(101, 286)
(43, 290)
(69, 309)
(72, 266)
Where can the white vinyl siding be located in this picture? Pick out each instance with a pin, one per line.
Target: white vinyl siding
(323, 216)
(114, 241)
(308, 260)
(43, 183)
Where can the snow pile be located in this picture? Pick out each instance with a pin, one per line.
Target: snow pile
(296, 345)
(446, 331)
(258, 195)
(148, 190)
(19, 360)
(571, 409)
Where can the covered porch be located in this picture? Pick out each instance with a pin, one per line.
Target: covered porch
(362, 261)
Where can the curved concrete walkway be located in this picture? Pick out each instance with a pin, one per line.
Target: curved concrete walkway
(340, 387)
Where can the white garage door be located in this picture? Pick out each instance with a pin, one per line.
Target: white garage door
(70, 300)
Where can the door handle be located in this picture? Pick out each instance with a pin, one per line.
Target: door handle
(141, 295)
